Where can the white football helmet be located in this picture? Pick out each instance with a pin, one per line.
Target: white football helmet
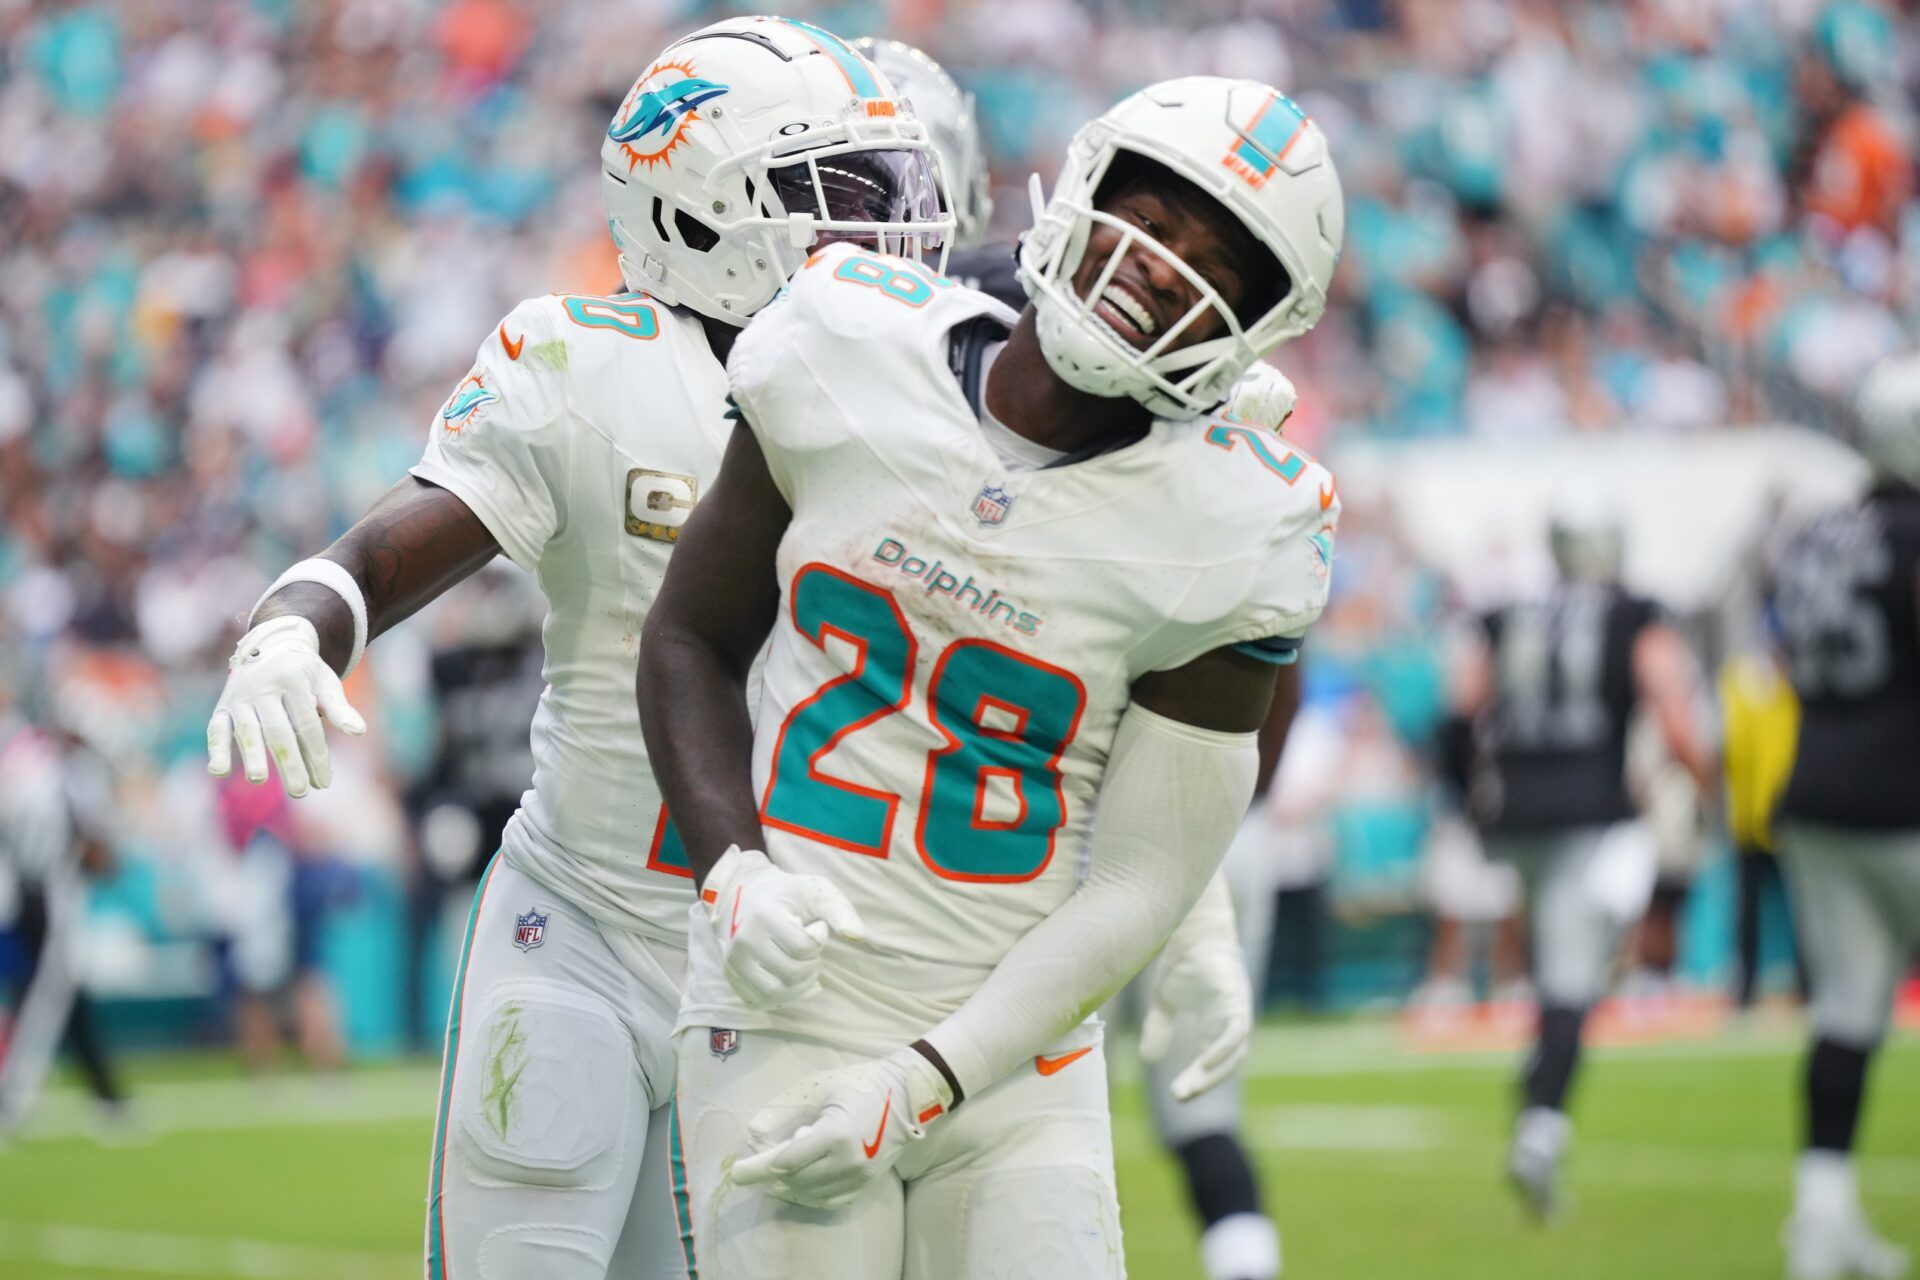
(1242, 143)
(745, 143)
(1888, 403)
(952, 125)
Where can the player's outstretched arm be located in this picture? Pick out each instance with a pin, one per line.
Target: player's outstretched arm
(1178, 780)
(415, 542)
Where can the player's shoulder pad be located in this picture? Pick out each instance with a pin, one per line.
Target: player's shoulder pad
(1257, 489)
(848, 308)
(576, 330)
(537, 358)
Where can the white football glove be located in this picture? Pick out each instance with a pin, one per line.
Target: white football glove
(277, 690)
(825, 1140)
(772, 926)
(1264, 397)
(1207, 982)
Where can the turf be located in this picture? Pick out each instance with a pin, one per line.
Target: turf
(1377, 1163)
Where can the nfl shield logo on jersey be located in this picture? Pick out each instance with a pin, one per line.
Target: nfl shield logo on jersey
(990, 504)
(722, 1042)
(529, 930)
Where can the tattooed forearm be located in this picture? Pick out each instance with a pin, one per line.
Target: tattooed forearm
(415, 542)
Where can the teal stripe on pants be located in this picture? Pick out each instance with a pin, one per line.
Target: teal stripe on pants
(682, 1205)
(436, 1241)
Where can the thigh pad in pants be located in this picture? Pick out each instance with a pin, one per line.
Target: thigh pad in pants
(543, 1089)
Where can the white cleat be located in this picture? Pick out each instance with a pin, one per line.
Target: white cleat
(1840, 1247)
(1540, 1139)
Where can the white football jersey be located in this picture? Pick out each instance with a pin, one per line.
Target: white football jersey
(957, 641)
(582, 437)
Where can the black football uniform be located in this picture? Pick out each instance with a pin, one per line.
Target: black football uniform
(1846, 602)
(1552, 746)
(487, 695)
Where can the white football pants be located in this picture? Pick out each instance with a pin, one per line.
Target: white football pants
(1016, 1184)
(550, 1154)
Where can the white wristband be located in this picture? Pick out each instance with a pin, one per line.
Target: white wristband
(334, 577)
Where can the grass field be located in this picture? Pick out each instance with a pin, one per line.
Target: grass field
(1378, 1163)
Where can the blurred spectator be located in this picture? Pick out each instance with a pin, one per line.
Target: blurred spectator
(280, 896)
(1852, 171)
(1761, 719)
(1298, 807)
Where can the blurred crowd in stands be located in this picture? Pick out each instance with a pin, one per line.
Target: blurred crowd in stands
(246, 246)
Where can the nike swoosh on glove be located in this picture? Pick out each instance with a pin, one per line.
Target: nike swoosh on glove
(772, 926)
(830, 1137)
(277, 690)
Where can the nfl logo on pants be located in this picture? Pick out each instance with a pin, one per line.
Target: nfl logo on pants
(529, 930)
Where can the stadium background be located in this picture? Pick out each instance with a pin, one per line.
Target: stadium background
(246, 248)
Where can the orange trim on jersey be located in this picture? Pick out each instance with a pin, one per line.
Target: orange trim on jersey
(983, 823)
(512, 348)
(1018, 733)
(1048, 1066)
(1020, 716)
(953, 744)
(891, 800)
(659, 837)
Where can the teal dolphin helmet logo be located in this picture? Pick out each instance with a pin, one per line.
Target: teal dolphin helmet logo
(653, 120)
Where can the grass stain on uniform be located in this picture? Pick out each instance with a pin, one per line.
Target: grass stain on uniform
(505, 1065)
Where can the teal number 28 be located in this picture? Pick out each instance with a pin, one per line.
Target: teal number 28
(1005, 720)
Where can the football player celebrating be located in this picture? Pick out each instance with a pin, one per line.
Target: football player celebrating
(1012, 566)
(1849, 823)
(1551, 692)
(1198, 998)
(585, 432)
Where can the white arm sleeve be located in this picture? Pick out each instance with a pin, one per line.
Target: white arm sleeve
(1172, 798)
(1211, 922)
